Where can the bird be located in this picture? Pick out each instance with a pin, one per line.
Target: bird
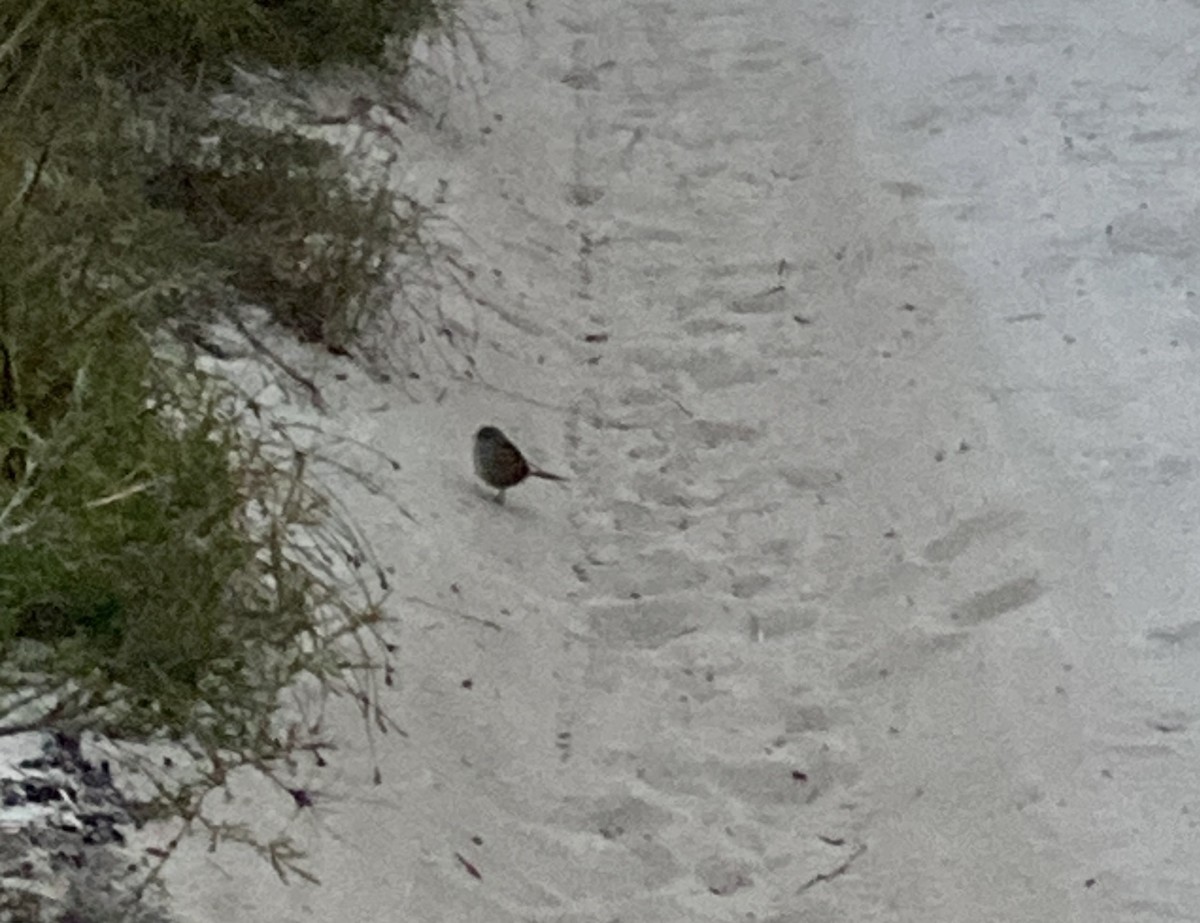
(500, 464)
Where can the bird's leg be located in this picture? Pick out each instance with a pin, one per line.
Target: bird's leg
(500, 496)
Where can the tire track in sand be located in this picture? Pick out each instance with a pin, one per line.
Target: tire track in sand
(790, 518)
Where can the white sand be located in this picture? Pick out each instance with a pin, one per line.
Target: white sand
(938, 560)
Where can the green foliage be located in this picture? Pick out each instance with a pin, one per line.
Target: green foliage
(186, 207)
(294, 236)
(123, 517)
(129, 545)
(157, 571)
(168, 568)
(142, 40)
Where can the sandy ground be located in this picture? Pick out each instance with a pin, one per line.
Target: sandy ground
(872, 594)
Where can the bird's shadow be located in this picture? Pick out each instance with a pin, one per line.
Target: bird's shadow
(488, 496)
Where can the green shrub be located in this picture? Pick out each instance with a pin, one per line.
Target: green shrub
(156, 563)
(142, 40)
(293, 235)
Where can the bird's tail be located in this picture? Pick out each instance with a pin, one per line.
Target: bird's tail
(546, 475)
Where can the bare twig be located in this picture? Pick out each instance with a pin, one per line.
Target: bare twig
(836, 872)
(304, 381)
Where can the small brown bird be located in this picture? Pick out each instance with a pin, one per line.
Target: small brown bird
(500, 464)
